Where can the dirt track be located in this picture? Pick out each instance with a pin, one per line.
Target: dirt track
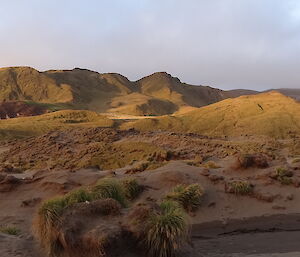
(251, 244)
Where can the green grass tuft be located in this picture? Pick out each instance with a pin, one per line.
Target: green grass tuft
(131, 188)
(166, 230)
(109, 188)
(189, 196)
(78, 196)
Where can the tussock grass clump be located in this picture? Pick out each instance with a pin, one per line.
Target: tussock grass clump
(107, 197)
(78, 196)
(166, 230)
(188, 196)
(10, 230)
(132, 188)
(239, 187)
(47, 224)
(109, 188)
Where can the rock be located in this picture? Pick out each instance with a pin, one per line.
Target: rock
(251, 160)
(278, 207)
(30, 202)
(289, 197)
(211, 204)
(8, 183)
(215, 178)
(205, 172)
(266, 197)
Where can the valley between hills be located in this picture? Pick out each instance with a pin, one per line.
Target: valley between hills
(97, 165)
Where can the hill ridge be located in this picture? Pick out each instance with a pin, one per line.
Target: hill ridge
(271, 114)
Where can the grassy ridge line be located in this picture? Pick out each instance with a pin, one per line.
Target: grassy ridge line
(271, 114)
(60, 120)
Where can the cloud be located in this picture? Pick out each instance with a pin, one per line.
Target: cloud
(224, 43)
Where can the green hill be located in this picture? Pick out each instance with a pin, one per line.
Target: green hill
(271, 114)
(157, 94)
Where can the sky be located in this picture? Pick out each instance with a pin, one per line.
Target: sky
(228, 44)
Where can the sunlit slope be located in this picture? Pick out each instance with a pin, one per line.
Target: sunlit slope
(271, 114)
(60, 120)
(24, 83)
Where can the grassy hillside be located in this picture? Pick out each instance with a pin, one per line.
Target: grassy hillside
(24, 83)
(157, 94)
(60, 120)
(271, 114)
(162, 85)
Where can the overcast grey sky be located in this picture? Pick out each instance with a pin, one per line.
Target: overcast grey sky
(251, 44)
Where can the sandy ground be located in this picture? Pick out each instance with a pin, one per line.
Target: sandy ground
(266, 223)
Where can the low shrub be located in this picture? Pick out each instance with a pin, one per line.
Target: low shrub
(109, 188)
(166, 230)
(10, 230)
(131, 188)
(239, 187)
(282, 172)
(284, 176)
(189, 196)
